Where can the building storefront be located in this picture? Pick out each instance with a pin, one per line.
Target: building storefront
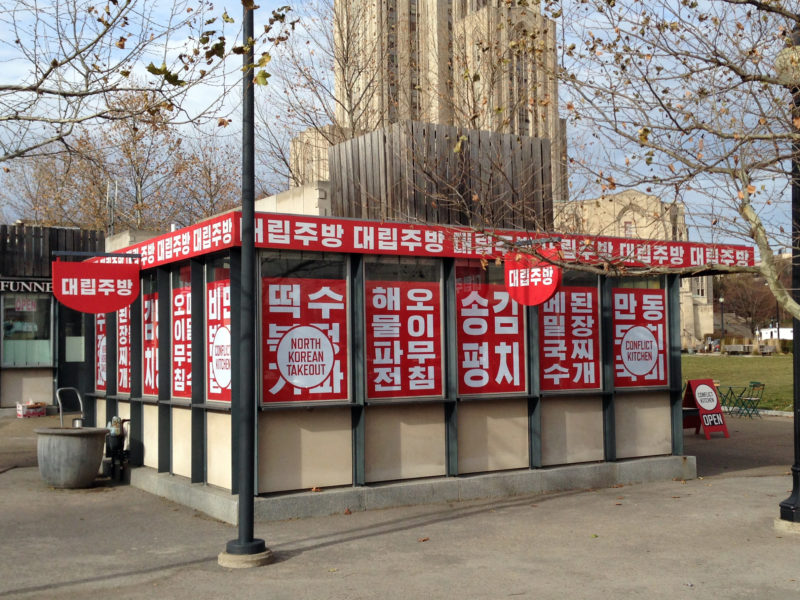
(39, 337)
(392, 352)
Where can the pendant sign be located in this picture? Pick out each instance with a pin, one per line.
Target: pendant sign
(530, 280)
(95, 287)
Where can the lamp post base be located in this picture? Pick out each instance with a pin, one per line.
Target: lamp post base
(790, 508)
(246, 555)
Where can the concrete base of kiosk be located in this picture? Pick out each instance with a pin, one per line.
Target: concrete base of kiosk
(221, 505)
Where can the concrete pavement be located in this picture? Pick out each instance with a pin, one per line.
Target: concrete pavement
(712, 537)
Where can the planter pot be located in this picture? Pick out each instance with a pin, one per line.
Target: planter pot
(70, 458)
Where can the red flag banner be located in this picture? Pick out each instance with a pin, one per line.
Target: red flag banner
(95, 287)
(530, 280)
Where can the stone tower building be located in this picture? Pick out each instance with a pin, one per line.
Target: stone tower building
(480, 64)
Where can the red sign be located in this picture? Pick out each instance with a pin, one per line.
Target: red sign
(100, 363)
(569, 340)
(640, 337)
(702, 393)
(95, 287)
(305, 339)
(531, 281)
(404, 339)
(150, 344)
(491, 341)
(218, 336)
(324, 234)
(182, 342)
(124, 350)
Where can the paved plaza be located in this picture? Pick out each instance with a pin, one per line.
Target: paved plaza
(712, 537)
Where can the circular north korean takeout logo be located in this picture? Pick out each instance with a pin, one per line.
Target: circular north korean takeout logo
(305, 356)
(639, 350)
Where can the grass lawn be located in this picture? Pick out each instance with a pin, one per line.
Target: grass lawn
(774, 371)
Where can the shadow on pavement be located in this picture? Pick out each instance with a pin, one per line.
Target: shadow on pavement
(760, 446)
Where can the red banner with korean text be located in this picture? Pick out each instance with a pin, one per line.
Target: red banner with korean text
(95, 287)
(100, 362)
(305, 353)
(150, 344)
(182, 342)
(124, 350)
(569, 340)
(640, 337)
(404, 339)
(491, 341)
(218, 337)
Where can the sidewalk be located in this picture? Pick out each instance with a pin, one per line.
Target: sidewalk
(707, 538)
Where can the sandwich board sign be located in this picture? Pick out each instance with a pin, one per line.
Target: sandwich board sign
(702, 393)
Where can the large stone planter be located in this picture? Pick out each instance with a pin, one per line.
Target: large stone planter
(70, 457)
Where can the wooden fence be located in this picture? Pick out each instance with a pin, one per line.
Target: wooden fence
(431, 173)
(25, 251)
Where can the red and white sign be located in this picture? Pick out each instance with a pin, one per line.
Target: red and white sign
(124, 350)
(569, 340)
(218, 336)
(305, 339)
(529, 280)
(150, 344)
(182, 342)
(702, 393)
(640, 337)
(95, 287)
(491, 341)
(23, 304)
(324, 234)
(404, 339)
(100, 362)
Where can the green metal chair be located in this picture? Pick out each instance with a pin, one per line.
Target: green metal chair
(751, 399)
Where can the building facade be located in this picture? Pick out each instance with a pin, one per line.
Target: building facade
(42, 342)
(470, 64)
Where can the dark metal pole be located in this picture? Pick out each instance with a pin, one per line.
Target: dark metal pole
(790, 508)
(246, 402)
(722, 322)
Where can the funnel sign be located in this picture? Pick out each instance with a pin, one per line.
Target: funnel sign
(531, 281)
(95, 287)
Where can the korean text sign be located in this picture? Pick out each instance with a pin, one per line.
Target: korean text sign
(491, 340)
(404, 339)
(150, 344)
(124, 350)
(95, 287)
(182, 342)
(569, 340)
(218, 315)
(100, 364)
(304, 339)
(640, 337)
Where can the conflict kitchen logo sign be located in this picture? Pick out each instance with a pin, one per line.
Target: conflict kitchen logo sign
(640, 337)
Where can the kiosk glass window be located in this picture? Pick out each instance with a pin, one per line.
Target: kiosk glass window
(27, 330)
(403, 306)
(149, 335)
(491, 333)
(569, 336)
(218, 329)
(305, 327)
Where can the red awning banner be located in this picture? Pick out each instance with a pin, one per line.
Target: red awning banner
(95, 287)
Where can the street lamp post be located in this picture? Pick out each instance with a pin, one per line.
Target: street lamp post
(722, 321)
(787, 67)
